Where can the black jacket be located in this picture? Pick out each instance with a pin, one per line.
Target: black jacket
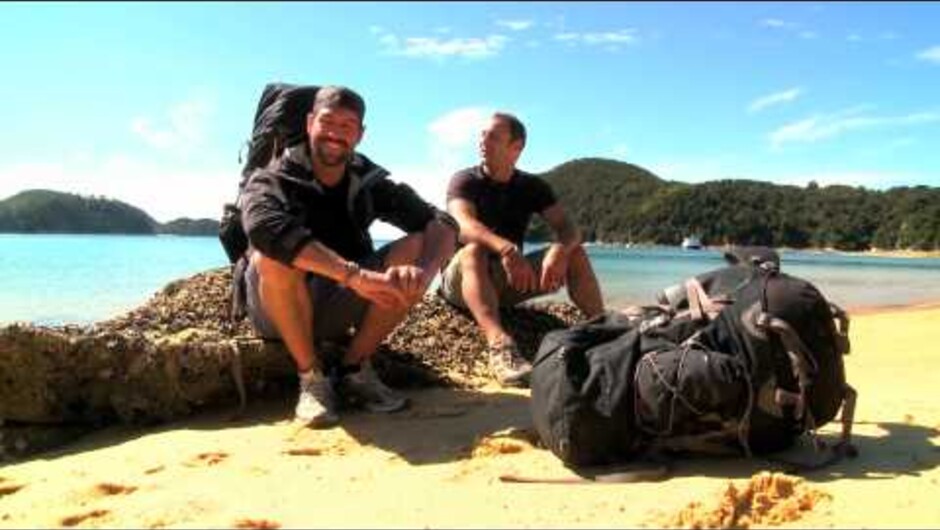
(284, 207)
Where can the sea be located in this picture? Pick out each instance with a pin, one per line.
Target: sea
(80, 279)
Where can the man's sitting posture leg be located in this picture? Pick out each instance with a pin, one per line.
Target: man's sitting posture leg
(479, 292)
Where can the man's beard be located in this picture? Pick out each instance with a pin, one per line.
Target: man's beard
(332, 159)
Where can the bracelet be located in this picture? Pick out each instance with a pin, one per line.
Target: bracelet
(350, 269)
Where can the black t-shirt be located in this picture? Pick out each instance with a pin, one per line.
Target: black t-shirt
(504, 208)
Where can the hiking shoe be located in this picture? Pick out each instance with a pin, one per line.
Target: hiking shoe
(365, 387)
(316, 405)
(507, 364)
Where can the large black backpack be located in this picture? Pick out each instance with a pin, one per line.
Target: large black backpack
(279, 122)
(740, 359)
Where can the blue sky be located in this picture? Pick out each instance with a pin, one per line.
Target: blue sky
(150, 102)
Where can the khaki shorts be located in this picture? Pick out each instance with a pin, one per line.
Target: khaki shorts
(337, 310)
(451, 289)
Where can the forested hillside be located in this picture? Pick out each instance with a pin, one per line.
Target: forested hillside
(619, 202)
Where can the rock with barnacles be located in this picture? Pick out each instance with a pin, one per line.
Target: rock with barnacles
(180, 352)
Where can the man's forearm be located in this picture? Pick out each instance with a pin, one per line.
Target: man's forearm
(569, 238)
(320, 259)
(476, 232)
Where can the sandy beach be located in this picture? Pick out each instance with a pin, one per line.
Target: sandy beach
(439, 464)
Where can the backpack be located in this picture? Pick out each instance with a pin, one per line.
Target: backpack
(279, 122)
(744, 359)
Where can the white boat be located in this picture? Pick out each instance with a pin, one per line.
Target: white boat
(692, 242)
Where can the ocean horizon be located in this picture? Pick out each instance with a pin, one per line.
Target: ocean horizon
(55, 279)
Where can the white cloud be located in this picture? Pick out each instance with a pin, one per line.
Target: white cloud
(515, 25)
(808, 35)
(824, 127)
(183, 130)
(607, 38)
(931, 54)
(776, 98)
(434, 47)
(163, 191)
(854, 37)
(776, 23)
(460, 127)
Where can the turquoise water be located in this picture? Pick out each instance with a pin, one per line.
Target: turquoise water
(56, 279)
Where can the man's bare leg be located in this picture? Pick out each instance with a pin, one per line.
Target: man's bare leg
(379, 322)
(479, 293)
(286, 302)
(582, 284)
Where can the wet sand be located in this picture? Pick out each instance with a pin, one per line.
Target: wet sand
(438, 464)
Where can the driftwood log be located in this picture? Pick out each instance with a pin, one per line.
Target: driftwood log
(180, 352)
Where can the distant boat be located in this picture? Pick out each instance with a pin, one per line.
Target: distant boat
(692, 243)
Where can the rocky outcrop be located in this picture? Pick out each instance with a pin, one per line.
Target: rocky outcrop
(180, 352)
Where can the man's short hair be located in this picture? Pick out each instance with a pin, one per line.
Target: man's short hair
(516, 128)
(332, 96)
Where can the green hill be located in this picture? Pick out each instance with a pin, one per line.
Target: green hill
(45, 211)
(185, 226)
(619, 202)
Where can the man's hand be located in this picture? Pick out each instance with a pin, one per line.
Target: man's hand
(554, 269)
(382, 288)
(413, 281)
(519, 271)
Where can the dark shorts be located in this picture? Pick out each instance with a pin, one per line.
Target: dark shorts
(452, 280)
(337, 311)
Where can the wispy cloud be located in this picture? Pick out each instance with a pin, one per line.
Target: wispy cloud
(435, 47)
(619, 37)
(825, 127)
(183, 129)
(459, 128)
(788, 27)
(776, 98)
(776, 23)
(515, 25)
(931, 55)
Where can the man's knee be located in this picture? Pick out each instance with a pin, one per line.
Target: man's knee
(274, 273)
(406, 251)
(473, 257)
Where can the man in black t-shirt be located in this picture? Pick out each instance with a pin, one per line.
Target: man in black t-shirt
(313, 275)
(493, 203)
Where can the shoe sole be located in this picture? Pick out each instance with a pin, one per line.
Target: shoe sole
(319, 423)
(386, 409)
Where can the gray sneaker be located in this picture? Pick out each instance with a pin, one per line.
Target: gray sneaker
(316, 405)
(365, 387)
(507, 365)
